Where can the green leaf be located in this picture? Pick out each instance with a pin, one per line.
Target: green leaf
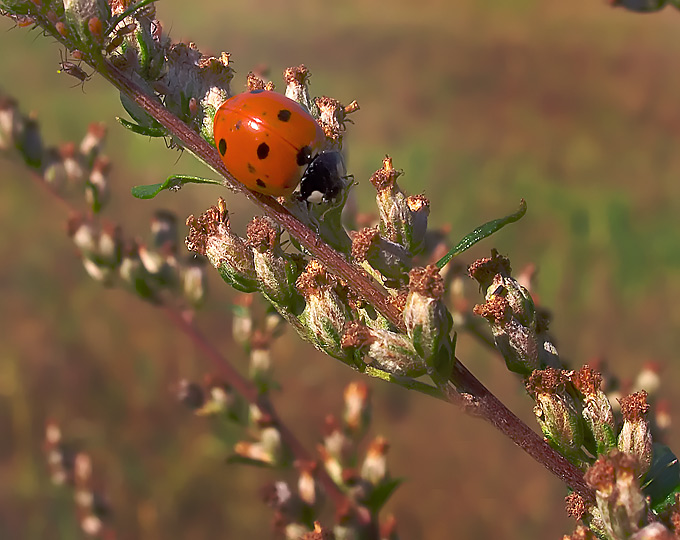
(150, 131)
(381, 494)
(173, 183)
(662, 480)
(480, 233)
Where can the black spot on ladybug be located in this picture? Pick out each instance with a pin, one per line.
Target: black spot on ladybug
(222, 146)
(258, 91)
(260, 183)
(284, 115)
(262, 151)
(251, 169)
(238, 125)
(304, 156)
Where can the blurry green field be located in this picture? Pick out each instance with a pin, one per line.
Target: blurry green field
(572, 107)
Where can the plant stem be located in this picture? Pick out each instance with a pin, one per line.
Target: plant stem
(475, 397)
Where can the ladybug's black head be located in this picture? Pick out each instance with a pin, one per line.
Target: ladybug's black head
(324, 177)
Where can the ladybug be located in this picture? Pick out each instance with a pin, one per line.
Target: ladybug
(271, 144)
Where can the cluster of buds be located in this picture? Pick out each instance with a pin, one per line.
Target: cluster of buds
(520, 334)
(72, 468)
(362, 477)
(147, 270)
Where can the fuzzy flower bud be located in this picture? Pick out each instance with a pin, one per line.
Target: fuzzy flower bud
(617, 490)
(389, 258)
(389, 351)
(427, 321)
(297, 87)
(276, 271)
(510, 310)
(597, 411)
(210, 235)
(635, 437)
(556, 412)
(332, 117)
(401, 217)
(325, 314)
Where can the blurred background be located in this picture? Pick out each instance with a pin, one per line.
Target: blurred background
(573, 106)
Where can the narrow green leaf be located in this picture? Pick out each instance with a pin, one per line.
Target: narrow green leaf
(173, 183)
(381, 494)
(480, 233)
(662, 480)
(150, 131)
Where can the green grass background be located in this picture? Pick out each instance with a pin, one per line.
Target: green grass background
(573, 106)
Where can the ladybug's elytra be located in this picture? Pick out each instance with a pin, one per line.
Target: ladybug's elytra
(270, 143)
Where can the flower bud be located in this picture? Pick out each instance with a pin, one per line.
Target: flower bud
(309, 489)
(297, 89)
(427, 321)
(10, 123)
(635, 437)
(597, 411)
(388, 258)
(386, 350)
(556, 412)
(400, 216)
(325, 315)
(617, 490)
(193, 281)
(374, 467)
(510, 310)
(190, 394)
(164, 231)
(135, 276)
(276, 271)
(93, 143)
(97, 187)
(357, 412)
(54, 171)
(210, 235)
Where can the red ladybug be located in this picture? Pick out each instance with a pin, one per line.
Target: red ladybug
(270, 143)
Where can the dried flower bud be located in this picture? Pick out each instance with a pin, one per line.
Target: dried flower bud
(276, 271)
(388, 258)
(325, 314)
(400, 216)
(635, 437)
(556, 412)
(297, 89)
(389, 351)
(597, 410)
(511, 313)
(427, 321)
(619, 498)
(332, 117)
(210, 235)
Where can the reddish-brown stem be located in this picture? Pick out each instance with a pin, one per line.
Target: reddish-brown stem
(484, 403)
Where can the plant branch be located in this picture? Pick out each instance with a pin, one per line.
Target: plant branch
(476, 398)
